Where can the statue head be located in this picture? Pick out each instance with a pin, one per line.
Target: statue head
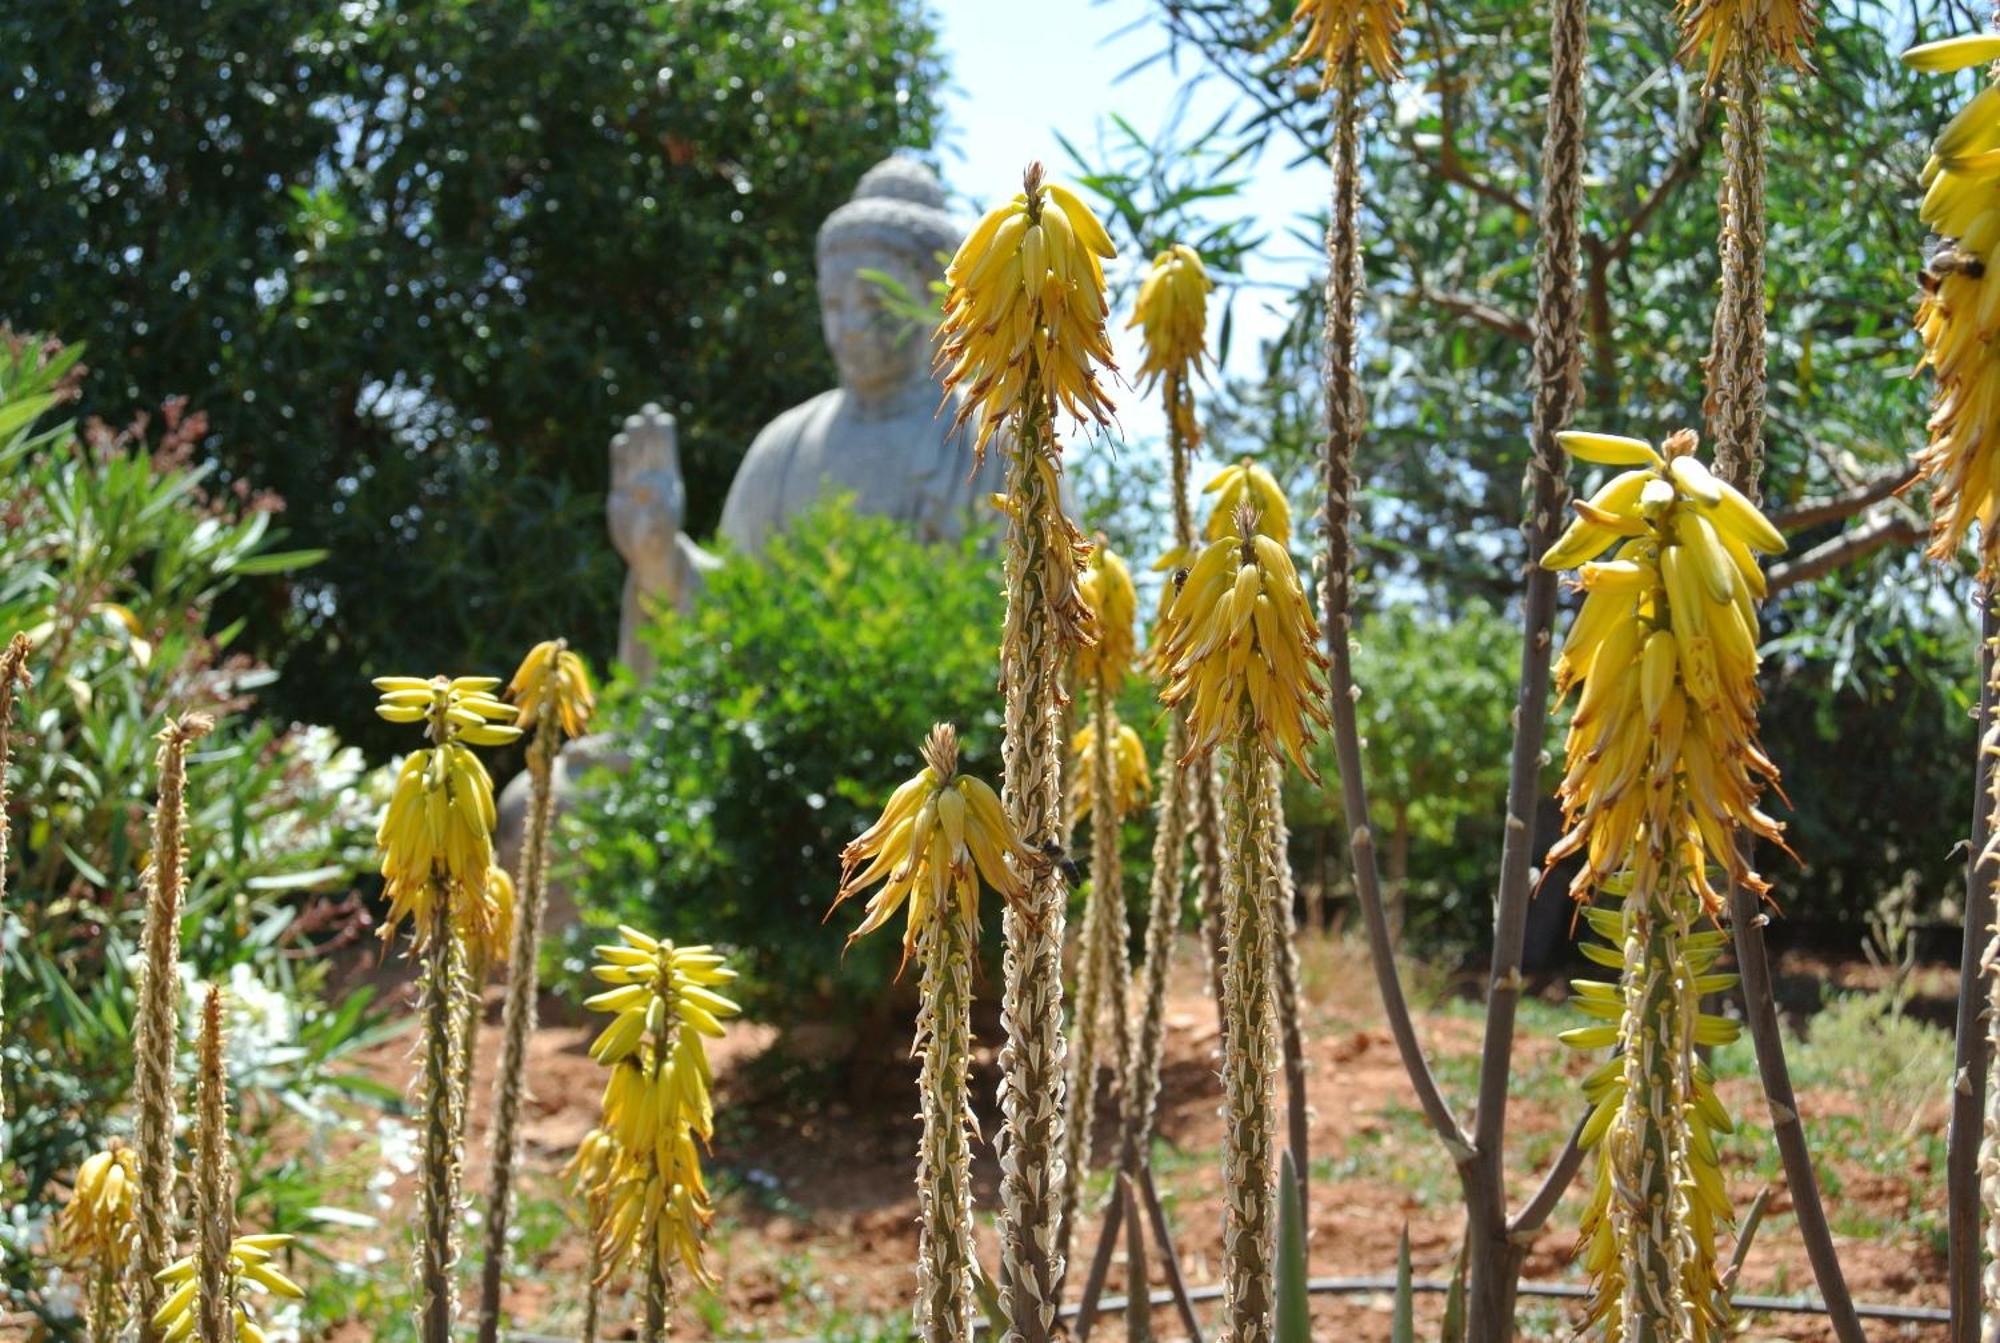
(896, 223)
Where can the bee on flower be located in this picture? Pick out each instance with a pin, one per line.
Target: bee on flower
(1026, 310)
(1240, 644)
(1958, 315)
(249, 1266)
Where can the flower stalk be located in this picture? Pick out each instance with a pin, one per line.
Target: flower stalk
(1023, 335)
(657, 1107)
(940, 835)
(1238, 647)
(1112, 779)
(552, 693)
(1664, 774)
(436, 842)
(13, 675)
(214, 1183)
(156, 1031)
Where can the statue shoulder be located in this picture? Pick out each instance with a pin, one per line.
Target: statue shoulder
(756, 496)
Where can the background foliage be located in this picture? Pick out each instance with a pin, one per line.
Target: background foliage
(113, 558)
(420, 257)
(784, 709)
(1873, 653)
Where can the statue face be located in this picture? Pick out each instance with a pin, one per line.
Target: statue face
(875, 349)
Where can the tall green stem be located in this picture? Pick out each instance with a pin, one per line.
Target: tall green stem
(1249, 1063)
(518, 1020)
(437, 1251)
(1032, 1083)
(945, 1253)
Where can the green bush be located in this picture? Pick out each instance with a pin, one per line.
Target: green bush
(419, 258)
(112, 559)
(784, 710)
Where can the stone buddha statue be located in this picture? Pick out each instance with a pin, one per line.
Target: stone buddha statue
(881, 435)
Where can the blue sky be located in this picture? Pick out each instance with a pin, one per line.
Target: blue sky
(1023, 70)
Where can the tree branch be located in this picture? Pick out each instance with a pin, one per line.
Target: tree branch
(1488, 315)
(1817, 512)
(1889, 527)
(1535, 1213)
(1682, 170)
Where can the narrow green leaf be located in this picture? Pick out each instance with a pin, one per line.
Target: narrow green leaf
(1403, 1324)
(1293, 1323)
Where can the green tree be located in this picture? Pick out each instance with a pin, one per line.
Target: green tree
(417, 258)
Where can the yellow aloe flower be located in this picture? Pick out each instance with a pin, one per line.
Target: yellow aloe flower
(1663, 741)
(1333, 27)
(939, 834)
(653, 977)
(438, 825)
(1959, 313)
(249, 1265)
(1240, 638)
(1026, 310)
(1131, 776)
(657, 1103)
(1172, 315)
(552, 671)
(1245, 483)
(1108, 591)
(98, 1223)
(1783, 29)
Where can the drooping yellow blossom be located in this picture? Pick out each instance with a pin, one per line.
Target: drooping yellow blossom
(97, 1226)
(249, 1265)
(552, 670)
(1247, 483)
(1107, 590)
(657, 1105)
(1026, 310)
(939, 834)
(1663, 743)
(438, 827)
(1783, 28)
(1240, 637)
(1959, 314)
(1131, 776)
(1172, 315)
(1334, 26)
